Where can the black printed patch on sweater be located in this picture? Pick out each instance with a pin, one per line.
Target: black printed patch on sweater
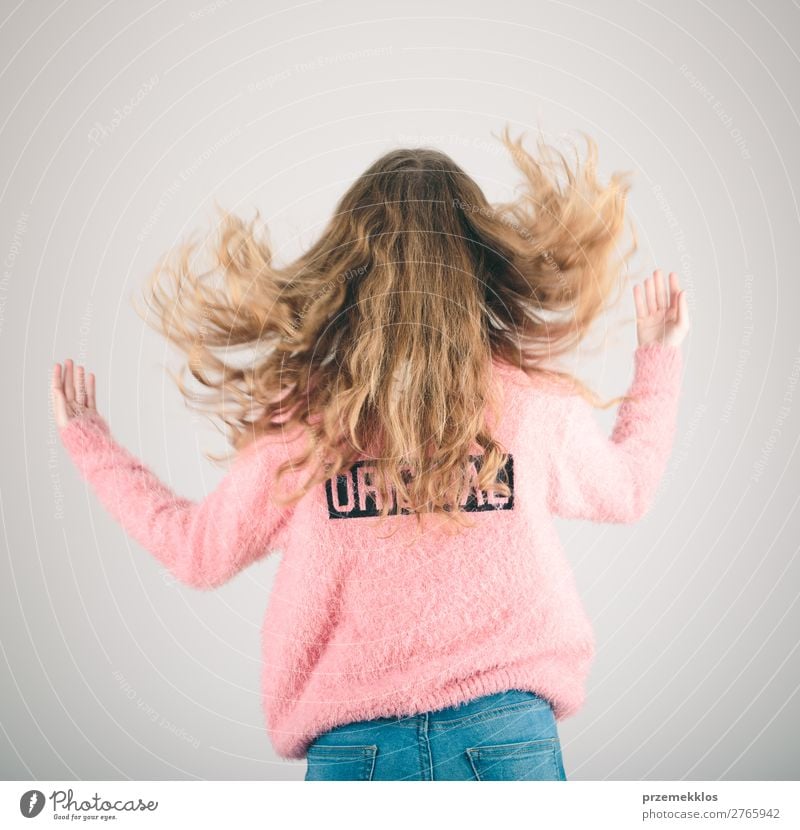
(352, 495)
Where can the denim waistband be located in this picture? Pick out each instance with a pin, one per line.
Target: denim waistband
(481, 704)
(475, 706)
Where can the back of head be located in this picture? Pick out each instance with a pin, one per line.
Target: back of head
(379, 339)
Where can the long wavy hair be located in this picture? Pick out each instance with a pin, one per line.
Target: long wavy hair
(378, 341)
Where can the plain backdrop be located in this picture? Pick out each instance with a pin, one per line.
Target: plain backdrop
(123, 122)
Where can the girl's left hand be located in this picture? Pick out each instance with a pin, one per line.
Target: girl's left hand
(662, 316)
(72, 397)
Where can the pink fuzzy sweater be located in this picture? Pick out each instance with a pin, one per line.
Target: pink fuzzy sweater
(360, 626)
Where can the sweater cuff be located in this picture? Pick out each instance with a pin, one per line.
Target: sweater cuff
(83, 432)
(658, 368)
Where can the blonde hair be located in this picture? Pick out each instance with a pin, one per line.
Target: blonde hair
(378, 340)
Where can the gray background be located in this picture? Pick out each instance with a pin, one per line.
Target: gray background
(122, 122)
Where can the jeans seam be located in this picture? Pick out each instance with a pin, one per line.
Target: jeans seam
(425, 757)
(369, 758)
(474, 755)
(549, 744)
(489, 713)
(345, 749)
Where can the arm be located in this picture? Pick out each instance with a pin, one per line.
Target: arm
(204, 544)
(614, 480)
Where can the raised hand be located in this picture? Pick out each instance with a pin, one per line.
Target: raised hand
(661, 318)
(73, 392)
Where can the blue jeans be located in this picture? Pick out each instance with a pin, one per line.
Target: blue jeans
(506, 736)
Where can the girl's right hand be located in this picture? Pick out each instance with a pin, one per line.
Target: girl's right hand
(73, 392)
(660, 319)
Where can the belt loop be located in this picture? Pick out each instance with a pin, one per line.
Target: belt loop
(425, 758)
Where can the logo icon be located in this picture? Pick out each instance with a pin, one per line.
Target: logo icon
(31, 803)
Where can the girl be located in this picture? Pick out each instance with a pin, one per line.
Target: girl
(402, 440)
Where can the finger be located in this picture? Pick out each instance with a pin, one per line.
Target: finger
(674, 287)
(679, 309)
(80, 386)
(672, 308)
(56, 381)
(55, 378)
(661, 298)
(674, 291)
(91, 400)
(650, 291)
(69, 389)
(683, 310)
(638, 298)
(59, 405)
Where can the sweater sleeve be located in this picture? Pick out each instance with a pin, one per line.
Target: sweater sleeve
(614, 479)
(203, 544)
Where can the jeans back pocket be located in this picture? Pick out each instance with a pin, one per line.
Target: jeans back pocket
(326, 762)
(538, 760)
